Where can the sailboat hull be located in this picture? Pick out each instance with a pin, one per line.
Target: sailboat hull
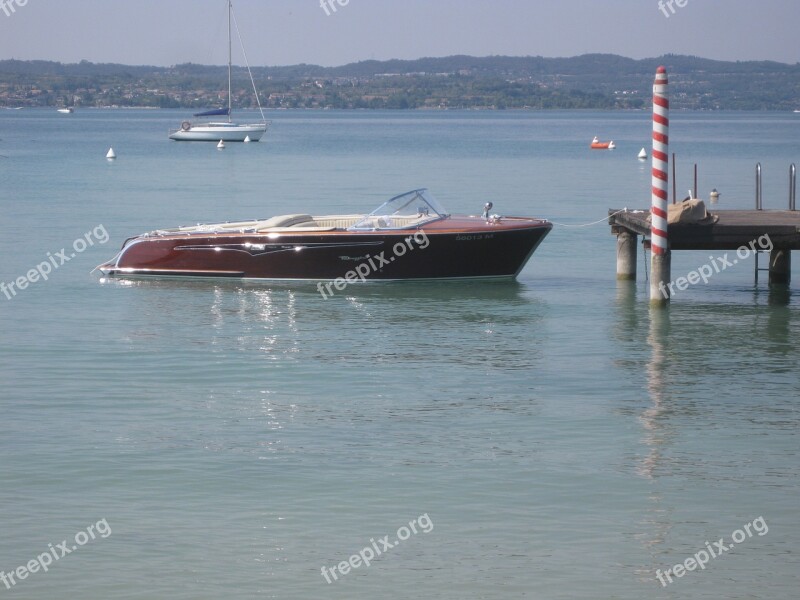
(212, 132)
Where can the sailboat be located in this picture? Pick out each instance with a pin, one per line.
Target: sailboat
(227, 131)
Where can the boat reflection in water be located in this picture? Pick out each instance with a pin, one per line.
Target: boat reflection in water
(410, 236)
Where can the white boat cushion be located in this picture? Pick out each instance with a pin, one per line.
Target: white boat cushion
(283, 221)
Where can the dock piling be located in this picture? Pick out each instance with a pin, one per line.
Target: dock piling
(674, 179)
(758, 186)
(780, 266)
(626, 256)
(660, 269)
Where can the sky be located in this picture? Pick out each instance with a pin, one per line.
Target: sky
(286, 32)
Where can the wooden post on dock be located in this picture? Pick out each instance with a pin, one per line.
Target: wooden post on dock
(780, 266)
(626, 256)
(660, 260)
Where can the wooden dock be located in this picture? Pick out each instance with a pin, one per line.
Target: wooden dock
(775, 231)
(732, 230)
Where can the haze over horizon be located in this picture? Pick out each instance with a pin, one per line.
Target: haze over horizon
(155, 33)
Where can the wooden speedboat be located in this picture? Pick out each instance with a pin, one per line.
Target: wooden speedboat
(598, 145)
(408, 237)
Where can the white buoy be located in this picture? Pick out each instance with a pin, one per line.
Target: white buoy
(714, 196)
(111, 155)
(642, 154)
(247, 139)
(221, 145)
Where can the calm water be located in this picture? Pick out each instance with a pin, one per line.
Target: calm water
(564, 440)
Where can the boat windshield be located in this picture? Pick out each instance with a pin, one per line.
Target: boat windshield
(406, 211)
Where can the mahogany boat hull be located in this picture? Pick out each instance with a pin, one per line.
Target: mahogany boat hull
(456, 247)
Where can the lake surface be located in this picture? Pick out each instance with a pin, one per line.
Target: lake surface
(230, 439)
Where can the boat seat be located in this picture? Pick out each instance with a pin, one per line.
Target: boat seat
(300, 229)
(336, 221)
(283, 221)
(390, 223)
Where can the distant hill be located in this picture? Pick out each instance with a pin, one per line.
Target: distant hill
(602, 81)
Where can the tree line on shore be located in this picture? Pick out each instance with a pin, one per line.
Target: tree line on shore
(585, 82)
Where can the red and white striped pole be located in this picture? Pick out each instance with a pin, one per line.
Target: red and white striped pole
(660, 261)
(660, 196)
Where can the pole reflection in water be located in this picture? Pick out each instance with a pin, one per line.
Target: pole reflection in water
(657, 433)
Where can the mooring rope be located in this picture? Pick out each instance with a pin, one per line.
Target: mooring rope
(603, 220)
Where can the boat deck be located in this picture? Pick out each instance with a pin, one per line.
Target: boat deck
(305, 224)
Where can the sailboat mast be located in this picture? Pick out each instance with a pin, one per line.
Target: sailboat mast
(229, 60)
